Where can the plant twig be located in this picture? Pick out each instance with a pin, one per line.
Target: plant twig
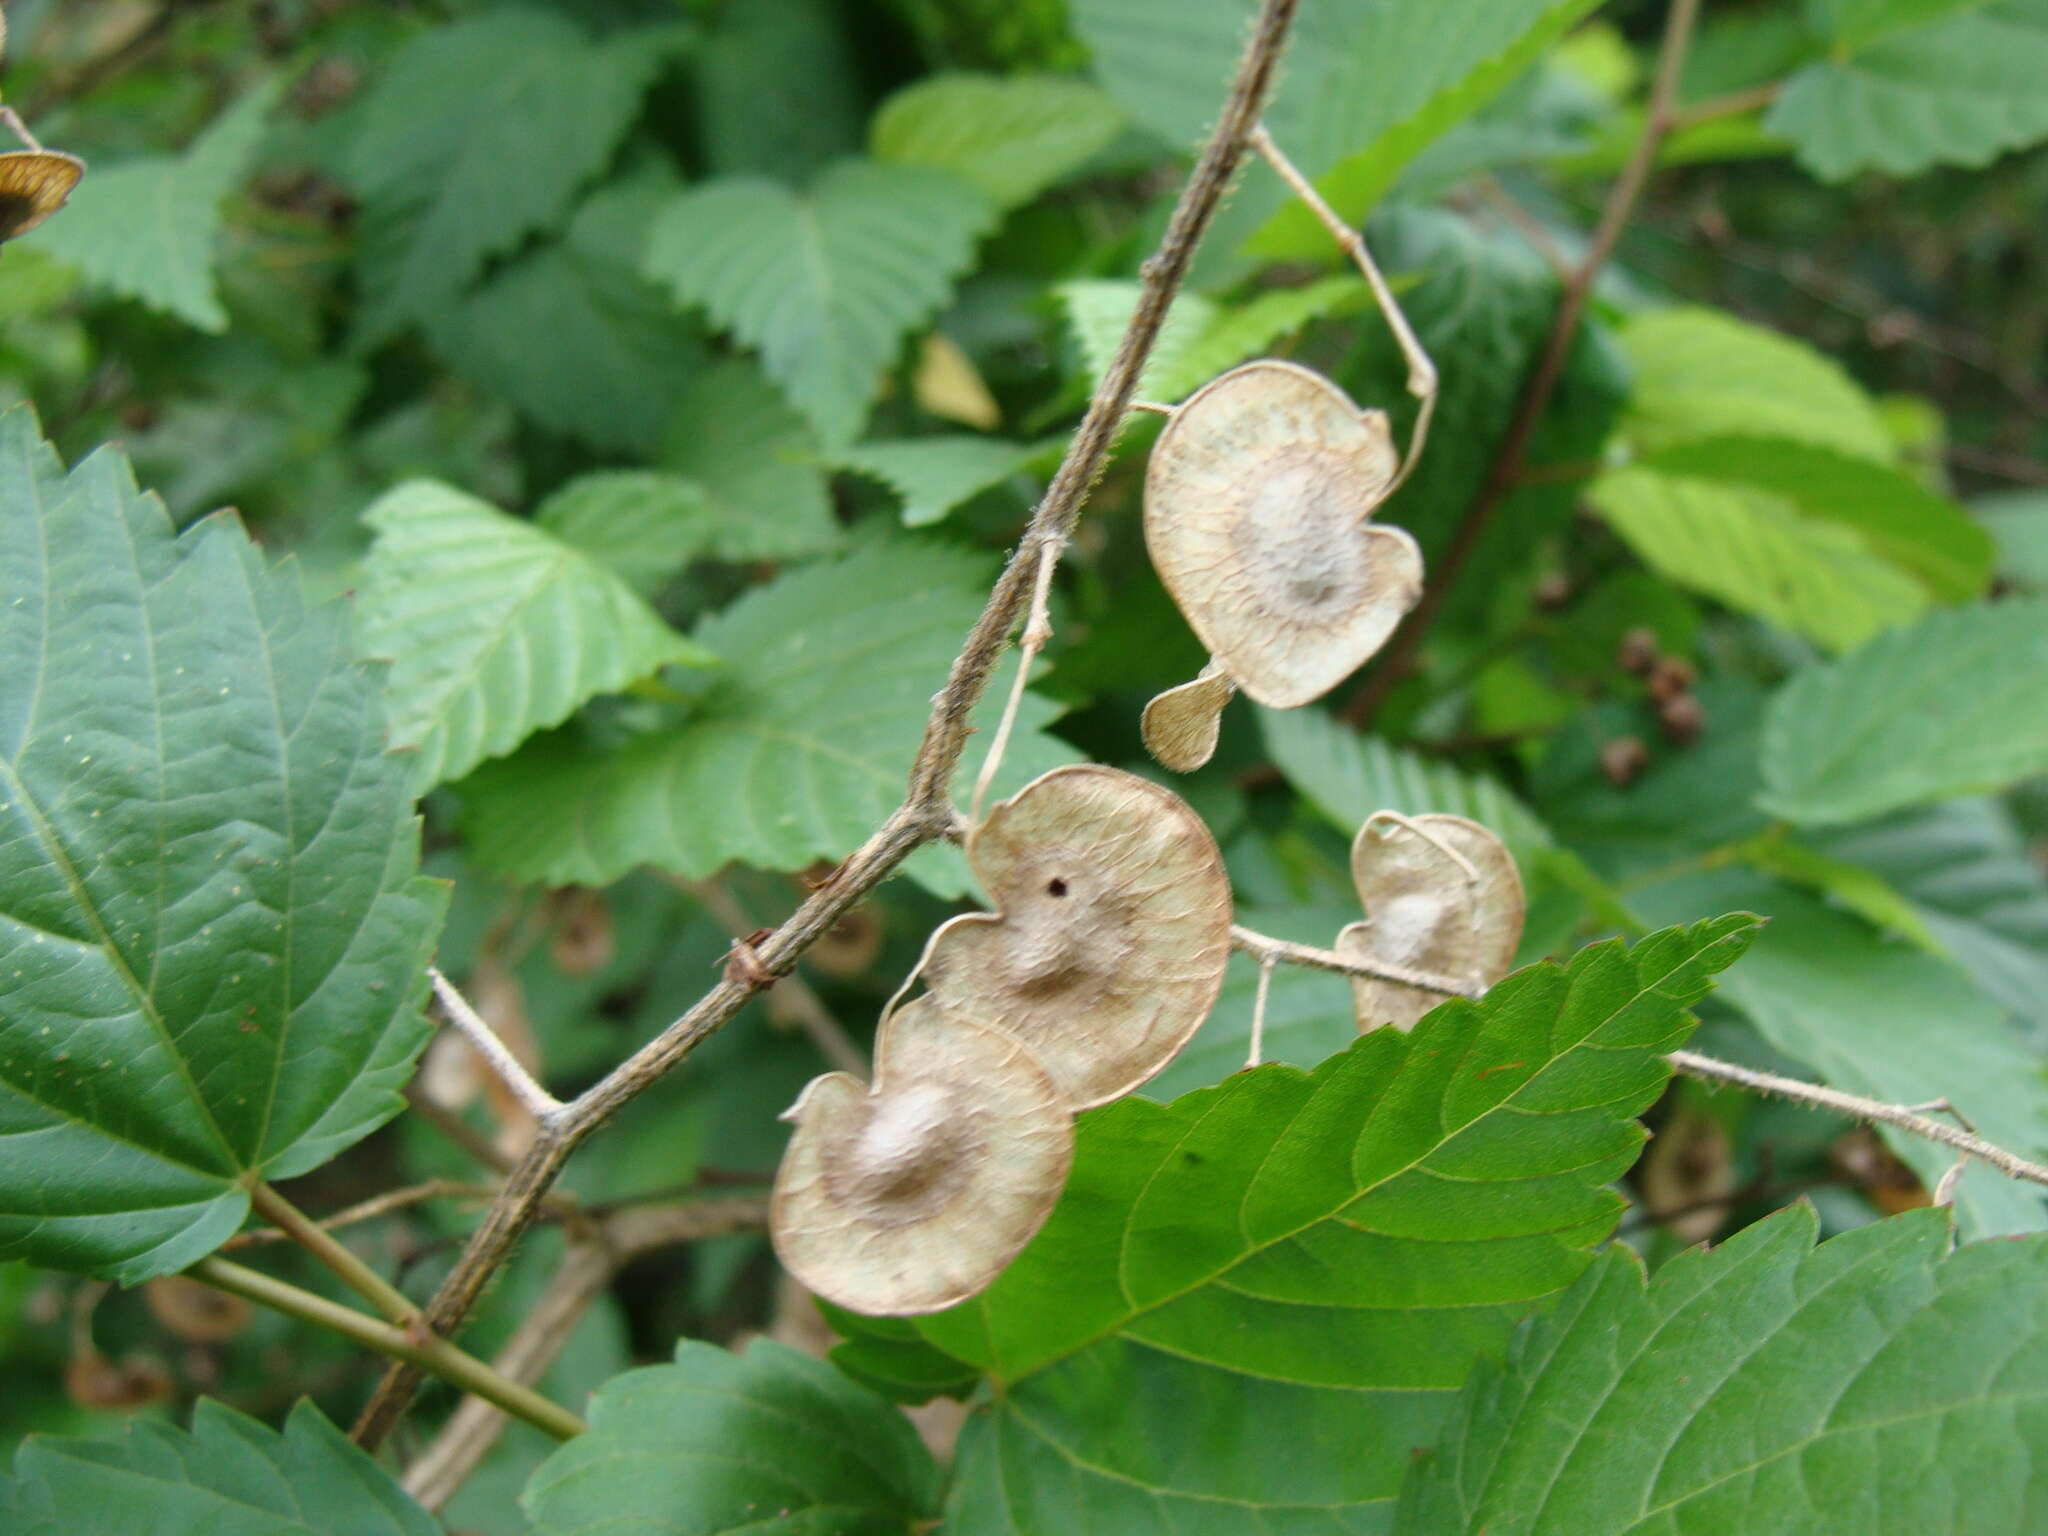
(369, 1210)
(339, 1260)
(1898, 1116)
(450, 1124)
(1505, 472)
(927, 811)
(1037, 630)
(805, 1005)
(1271, 951)
(1733, 104)
(497, 1055)
(431, 1354)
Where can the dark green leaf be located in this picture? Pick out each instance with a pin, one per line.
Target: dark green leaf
(757, 462)
(642, 523)
(934, 475)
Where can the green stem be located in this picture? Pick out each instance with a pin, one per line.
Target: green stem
(424, 1350)
(331, 1251)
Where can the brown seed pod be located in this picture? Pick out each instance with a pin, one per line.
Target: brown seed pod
(1441, 894)
(1180, 726)
(1623, 760)
(1670, 677)
(912, 1195)
(1682, 719)
(1687, 1175)
(194, 1311)
(33, 185)
(1638, 651)
(92, 1380)
(1110, 935)
(1256, 508)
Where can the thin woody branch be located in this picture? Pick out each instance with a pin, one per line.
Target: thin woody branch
(927, 811)
(1271, 951)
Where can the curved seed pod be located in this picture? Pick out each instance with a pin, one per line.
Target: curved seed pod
(1110, 934)
(1180, 725)
(33, 185)
(1256, 508)
(1441, 894)
(912, 1195)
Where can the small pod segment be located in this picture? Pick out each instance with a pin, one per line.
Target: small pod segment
(912, 1195)
(1442, 895)
(1110, 935)
(1180, 726)
(33, 185)
(1257, 506)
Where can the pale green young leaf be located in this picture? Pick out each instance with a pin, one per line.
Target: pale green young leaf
(933, 475)
(1297, 1258)
(727, 1443)
(825, 282)
(478, 134)
(1960, 90)
(149, 229)
(1876, 1383)
(494, 627)
(213, 936)
(796, 751)
(1754, 551)
(1956, 704)
(1098, 311)
(1850, 885)
(757, 461)
(2018, 523)
(1012, 136)
(644, 524)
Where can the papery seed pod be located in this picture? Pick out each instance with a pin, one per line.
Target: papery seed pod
(1670, 677)
(912, 1195)
(1111, 930)
(1180, 725)
(92, 1380)
(1687, 1175)
(1257, 502)
(194, 1311)
(1442, 895)
(33, 185)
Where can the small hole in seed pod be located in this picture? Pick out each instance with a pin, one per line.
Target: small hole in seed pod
(1056, 888)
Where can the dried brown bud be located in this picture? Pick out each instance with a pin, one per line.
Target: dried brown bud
(1681, 719)
(1180, 726)
(1638, 651)
(1553, 590)
(1671, 676)
(1623, 759)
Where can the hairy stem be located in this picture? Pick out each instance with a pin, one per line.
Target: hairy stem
(927, 811)
(1271, 951)
(496, 1054)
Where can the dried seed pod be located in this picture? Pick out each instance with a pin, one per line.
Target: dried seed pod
(1111, 930)
(1687, 1176)
(1682, 719)
(1670, 677)
(33, 185)
(1623, 760)
(912, 1195)
(194, 1311)
(1256, 508)
(1441, 894)
(1638, 651)
(1180, 726)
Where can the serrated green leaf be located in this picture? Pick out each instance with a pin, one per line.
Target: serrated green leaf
(1956, 704)
(573, 336)
(1960, 90)
(1877, 1017)
(1098, 310)
(494, 627)
(757, 461)
(2018, 522)
(1754, 551)
(1854, 24)
(1011, 135)
(1312, 1258)
(798, 749)
(480, 133)
(933, 475)
(721, 1442)
(644, 524)
(1896, 516)
(149, 229)
(825, 282)
(213, 939)
(229, 1476)
(1876, 1383)
(1700, 373)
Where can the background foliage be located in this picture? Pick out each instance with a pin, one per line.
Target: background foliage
(664, 378)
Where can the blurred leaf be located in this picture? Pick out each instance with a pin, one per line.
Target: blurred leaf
(644, 524)
(2018, 522)
(149, 228)
(798, 749)
(494, 627)
(826, 282)
(933, 475)
(478, 134)
(1012, 136)
(228, 1476)
(1862, 891)
(778, 87)
(1761, 1386)
(1960, 90)
(1099, 310)
(1294, 1259)
(1754, 551)
(214, 938)
(757, 461)
(1956, 704)
(721, 1442)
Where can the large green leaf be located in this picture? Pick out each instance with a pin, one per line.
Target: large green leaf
(1956, 704)
(825, 282)
(757, 462)
(1881, 1018)
(494, 627)
(573, 335)
(212, 939)
(229, 1476)
(1754, 551)
(1300, 1259)
(1876, 1384)
(721, 1442)
(795, 752)
(1960, 90)
(1012, 136)
(2018, 521)
(644, 524)
(149, 229)
(933, 475)
(478, 134)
